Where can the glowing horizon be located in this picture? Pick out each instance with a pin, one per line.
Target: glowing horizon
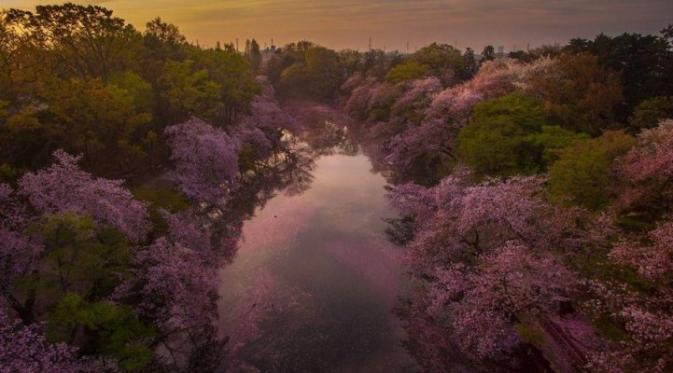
(392, 24)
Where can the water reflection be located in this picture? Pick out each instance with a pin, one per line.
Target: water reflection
(314, 280)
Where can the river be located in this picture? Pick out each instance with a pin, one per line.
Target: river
(314, 283)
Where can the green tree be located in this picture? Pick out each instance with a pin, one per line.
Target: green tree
(667, 33)
(351, 61)
(550, 141)
(583, 174)
(650, 112)
(185, 90)
(97, 119)
(234, 78)
(80, 257)
(162, 42)
(139, 90)
(102, 328)
(407, 70)
(511, 135)
(442, 60)
(316, 73)
(325, 71)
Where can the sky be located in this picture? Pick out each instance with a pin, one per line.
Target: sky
(393, 24)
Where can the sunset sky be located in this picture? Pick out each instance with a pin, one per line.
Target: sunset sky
(393, 23)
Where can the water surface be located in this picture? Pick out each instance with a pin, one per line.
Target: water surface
(315, 280)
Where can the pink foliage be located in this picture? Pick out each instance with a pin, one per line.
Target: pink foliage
(648, 167)
(482, 303)
(5, 191)
(422, 121)
(186, 230)
(456, 218)
(206, 160)
(417, 95)
(65, 187)
(265, 112)
(513, 207)
(653, 261)
(646, 349)
(521, 280)
(420, 88)
(255, 138)
(25, 349)
(178, 285)
(648, 327)
(486, 248)
(368, 96)
(179, 276)
(18, 255)
(431, 139)
(383, 94)
(352, 82)
(494, 79)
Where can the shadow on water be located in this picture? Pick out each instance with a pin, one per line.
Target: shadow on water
(314, 281)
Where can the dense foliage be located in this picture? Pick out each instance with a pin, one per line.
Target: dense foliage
(80, 79)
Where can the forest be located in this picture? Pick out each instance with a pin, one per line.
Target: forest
(533, 191)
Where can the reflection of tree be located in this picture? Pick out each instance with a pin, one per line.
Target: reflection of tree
(327, 138)
(323, 129)
(288, 169)
(371, 143)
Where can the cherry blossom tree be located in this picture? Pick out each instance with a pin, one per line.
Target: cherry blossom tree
(65, 187)
(422, 152)
(178, 285)
(648, 169)
(24, 348)
(652, 261)
(486, 252)
(206, 160)
(417, 96)
(265, 112)
(494, 79)
(469, 220)
(479, 306)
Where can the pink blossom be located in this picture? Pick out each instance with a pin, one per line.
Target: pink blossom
(494, 79)
(65, 187)
(5, 191)
(648, 167)
(178, 286)
(352, 82)
(18, 255)
(430, 141)
(206, 160)
(417, 95)
(25, 349)
(646, 326)
(265, 112)
(457, 219)
(509, 282)
(185, 229)
(652, 261)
